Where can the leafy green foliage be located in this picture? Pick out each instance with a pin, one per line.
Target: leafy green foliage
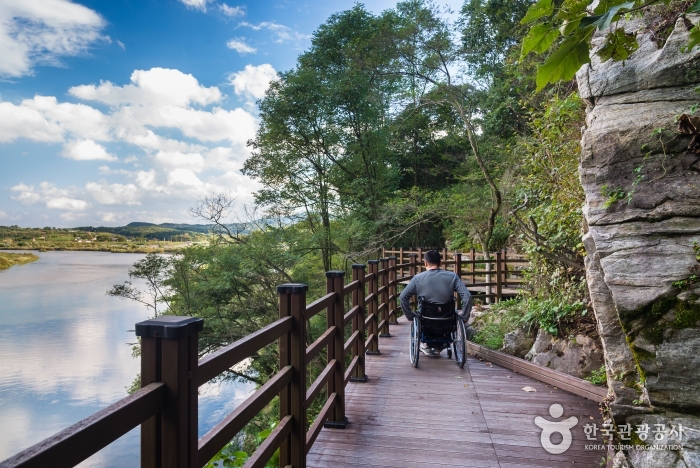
(563, 63)
(619, 46)
(539, 39)
(576, 26)
(538, 9)
(598, 377)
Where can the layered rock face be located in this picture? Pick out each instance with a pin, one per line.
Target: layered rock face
(643, 217)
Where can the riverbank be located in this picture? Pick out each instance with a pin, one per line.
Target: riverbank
(113, 247)
(10, 259)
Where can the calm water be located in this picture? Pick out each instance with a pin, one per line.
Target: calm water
(65, 353)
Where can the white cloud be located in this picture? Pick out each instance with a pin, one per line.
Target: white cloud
(3, 215)
(184, 177)
(121, 44)
(65, 203)
(155, 86)
(40, 32)
(239, 45)
(281, 32)
(113, 194)
(54, 198)
(86, 150)
(196, 4)
(25, 194)
(253, 80)
(231, 11)
(192, 161)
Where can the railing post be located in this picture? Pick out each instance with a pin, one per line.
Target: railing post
(358, 299)
(412, 271)
(505, 268)
(458, 271)
(169, 354)
(444, 255)
(393, 288)
(472, 257)
(292, 352)
(401, 270)
(420, 258)
(384, 329)
(499, 279)
(374, 306)
(334, 283)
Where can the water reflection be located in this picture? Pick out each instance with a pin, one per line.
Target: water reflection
(64, 352)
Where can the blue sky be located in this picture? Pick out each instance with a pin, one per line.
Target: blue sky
(131, 110)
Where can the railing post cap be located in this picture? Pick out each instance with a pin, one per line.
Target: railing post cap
(373, 262)
(392, 258)
(413, 255)
(383, 259)
(335, 274)
(170, 327)
(292, 288)
(358, 266)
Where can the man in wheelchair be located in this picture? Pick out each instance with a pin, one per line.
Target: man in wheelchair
(438, 326)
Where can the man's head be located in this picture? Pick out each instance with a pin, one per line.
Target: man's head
(432, 258)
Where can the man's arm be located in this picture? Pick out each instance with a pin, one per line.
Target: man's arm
(405, 299)
(466, 298)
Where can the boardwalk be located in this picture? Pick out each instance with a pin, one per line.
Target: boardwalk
(440, 415)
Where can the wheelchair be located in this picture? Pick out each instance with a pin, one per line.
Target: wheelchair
(439, 326)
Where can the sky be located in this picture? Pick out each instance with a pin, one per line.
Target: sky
(132, 110)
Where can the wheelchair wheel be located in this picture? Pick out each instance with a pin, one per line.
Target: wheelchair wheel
(415, 341)
(460, 344)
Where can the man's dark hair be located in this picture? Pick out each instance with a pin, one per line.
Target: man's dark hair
(433, 257)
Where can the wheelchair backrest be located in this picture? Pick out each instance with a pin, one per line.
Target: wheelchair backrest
(437, 310)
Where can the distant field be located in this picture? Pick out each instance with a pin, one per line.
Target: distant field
(134, 238)
(9, 259)
(115, 247)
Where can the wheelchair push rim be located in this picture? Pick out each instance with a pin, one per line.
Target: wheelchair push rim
(415, 342)
(460, 344)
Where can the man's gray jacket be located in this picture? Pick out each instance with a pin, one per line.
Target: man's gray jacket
(436, 286)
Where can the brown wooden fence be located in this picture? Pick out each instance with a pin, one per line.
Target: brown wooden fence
(491, 279)
(166, 406)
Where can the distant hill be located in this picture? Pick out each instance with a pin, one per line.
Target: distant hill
(153, 231)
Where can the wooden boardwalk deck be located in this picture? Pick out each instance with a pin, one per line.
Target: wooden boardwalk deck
(440, 415)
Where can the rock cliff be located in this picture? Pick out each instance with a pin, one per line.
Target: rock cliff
(642, 212)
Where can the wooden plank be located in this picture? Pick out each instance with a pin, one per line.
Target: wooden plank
(224, 431)
(85, 438)
(265, 451)
(351, 369)
(319, 383)
(219, 361)
(350, 287)
(350, 342)
(350, 315)
(322, 417)
(318, 305)
(315, 348)
(544, 374)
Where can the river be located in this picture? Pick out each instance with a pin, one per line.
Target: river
(65, 352)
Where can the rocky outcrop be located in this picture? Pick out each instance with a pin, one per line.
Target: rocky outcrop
(518, 342)
(642, 211)
(578, 355)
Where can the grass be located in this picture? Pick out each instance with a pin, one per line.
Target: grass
(492, 326)
(9, 259)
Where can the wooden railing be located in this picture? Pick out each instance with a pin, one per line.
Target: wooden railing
(491, 279)
(166, 406)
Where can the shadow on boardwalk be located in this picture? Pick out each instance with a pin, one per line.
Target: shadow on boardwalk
(440, 415)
